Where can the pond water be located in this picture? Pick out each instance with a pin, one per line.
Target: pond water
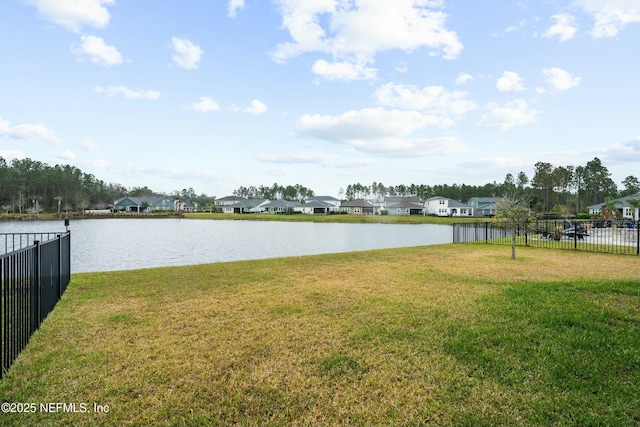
(125, 244)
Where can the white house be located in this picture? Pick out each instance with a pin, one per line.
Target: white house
(442, 206)
(624, 207)
(246, 206)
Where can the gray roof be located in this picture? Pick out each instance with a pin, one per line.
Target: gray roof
(323, 198)
(483, 200)
(150, 200)
(457, 204)
(282, 204)
(229, 198)
(412, 199)
(357, 204)
(620, 201)
(405, 204)
(248, 203)
(315, 204)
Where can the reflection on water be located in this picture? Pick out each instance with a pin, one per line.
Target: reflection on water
(123, 244)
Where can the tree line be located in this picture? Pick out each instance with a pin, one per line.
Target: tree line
(28, 185)
(276, 191)
(561, 189)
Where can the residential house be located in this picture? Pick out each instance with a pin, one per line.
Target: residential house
(184, 206)
(227, 201)
(403, 206)
(359, 207)
(280, 207)
(246, 206)
(334, 204)
(442, 206)
(145, 204)
(315, 207)
(483, 206)
(624, 207)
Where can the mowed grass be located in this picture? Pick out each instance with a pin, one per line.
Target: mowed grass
(343, 218)
(438, 335)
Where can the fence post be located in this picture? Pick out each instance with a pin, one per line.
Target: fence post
(486, 232)
(638, 237)
(59, 266)
(36, 287)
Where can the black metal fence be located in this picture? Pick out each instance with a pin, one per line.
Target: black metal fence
(621, 237)
(33, 279)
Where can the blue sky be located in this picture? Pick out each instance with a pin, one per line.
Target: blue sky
(217, 94)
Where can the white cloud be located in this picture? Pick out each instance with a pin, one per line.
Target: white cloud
(73, 15)
(186, 54)
(510, 82)
(514, 113)
(380, 131)
(67, 155)
(611, 16)
(512, 28)
(12, 154)
(256, 108)
(410, 147)
(362, 124)
(128, 93)
(564, 27)
(98, 51)
(560, 79)
(402, 67)
(435, 99)
(234, 5)
(344, 70)
(89, 145)
(627, 152)
(298, 158)
(355, 31)
(463, 78)
(205, 105)
(27, 132)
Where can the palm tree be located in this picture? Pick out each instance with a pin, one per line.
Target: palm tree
(634, 203)
(610, 210)
(513, 212)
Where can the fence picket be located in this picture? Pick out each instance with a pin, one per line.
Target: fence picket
(33, 279)
(588, 235)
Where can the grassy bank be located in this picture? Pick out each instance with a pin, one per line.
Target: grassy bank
(372, 219)
(442, 335)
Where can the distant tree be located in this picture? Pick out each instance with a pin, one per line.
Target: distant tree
(522, 180)
(513, 213)
(598, 182)
(543, 182)
(140, 192)
(578, 184)
(631, 185)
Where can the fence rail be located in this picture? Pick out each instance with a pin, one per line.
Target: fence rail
(586, 235)
(33, 278)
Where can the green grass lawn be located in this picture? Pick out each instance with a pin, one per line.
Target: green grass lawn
(440, 335)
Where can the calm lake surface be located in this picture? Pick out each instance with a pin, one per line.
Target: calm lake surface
(125, 244)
